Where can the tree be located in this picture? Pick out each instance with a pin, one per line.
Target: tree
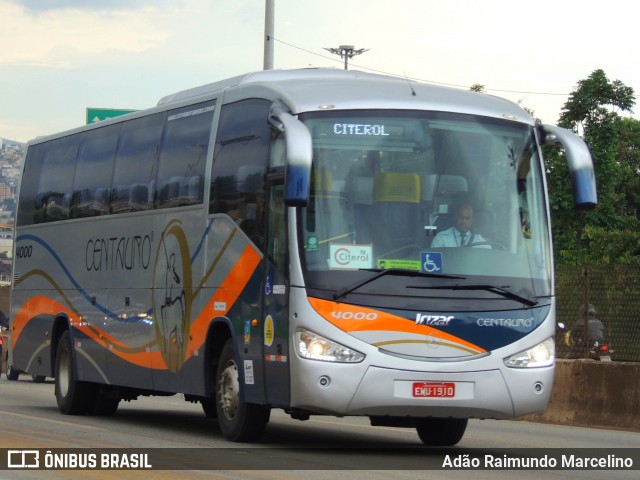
(628, 156)
(596, 101)
(478, 87)
(593, 112)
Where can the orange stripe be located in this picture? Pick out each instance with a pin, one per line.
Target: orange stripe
(41, 305)
(34, 306)
(382, 322)
(141, 355)
(226, 295)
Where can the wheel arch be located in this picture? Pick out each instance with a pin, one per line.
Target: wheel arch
(61, 324)
(219, 331)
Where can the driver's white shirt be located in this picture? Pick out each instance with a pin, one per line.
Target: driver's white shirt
(451, 237)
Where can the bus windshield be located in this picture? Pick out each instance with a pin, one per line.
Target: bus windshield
(458, 197)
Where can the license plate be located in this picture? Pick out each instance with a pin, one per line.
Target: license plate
(434, 389)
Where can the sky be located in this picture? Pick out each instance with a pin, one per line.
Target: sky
(59, 57)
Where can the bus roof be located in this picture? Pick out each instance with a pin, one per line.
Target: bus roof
(311, 89)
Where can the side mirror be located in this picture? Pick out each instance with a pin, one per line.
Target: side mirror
(299, 153)
(580, 165)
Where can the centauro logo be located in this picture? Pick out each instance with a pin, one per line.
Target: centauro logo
(505, 322)
(433, 320)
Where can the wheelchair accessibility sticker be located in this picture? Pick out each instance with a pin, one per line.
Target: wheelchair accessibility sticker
(431, 262)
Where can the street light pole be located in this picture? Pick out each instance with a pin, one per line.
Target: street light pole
(268, 34)
(346, 52)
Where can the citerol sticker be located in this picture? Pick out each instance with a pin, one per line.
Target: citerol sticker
(350, 257)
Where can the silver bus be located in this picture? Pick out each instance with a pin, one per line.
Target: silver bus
(291, 240)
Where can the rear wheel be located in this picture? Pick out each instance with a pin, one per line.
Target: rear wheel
(12, 373)
(441, 432)
(73, 397)
(239, 421)
(105, 403)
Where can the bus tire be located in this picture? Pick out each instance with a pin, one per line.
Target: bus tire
(239, 421)
(12, 373)
(73, 397)
(104, 405)
(441, 432)
(209, 407)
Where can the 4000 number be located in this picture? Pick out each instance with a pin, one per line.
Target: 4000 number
(24, 251)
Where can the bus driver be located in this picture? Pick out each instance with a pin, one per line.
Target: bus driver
(461, 234)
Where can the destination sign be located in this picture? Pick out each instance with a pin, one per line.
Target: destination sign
(359, 129)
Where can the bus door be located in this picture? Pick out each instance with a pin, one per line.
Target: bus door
(275, 321)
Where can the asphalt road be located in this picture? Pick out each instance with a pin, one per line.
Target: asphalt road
(322, 447)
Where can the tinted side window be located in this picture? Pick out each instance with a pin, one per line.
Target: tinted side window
(56, 176)
(29, 185)
(183, 156)
(240, 163)
(94, 169)
(133, 185)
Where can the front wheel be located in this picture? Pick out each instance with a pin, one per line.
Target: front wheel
(209, 407)
(73, 396)
(239, 421)
(441, 432)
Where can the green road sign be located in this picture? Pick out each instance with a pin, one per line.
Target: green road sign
(95, 115)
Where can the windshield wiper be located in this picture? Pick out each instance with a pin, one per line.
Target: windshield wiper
(499, 290)
(389, 271)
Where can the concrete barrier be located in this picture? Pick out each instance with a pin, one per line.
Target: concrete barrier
(594, 394)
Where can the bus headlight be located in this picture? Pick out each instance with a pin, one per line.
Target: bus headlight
(316, 347)
(542, 355)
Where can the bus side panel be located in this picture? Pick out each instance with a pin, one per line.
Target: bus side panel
(140, 294)
(202, 270)
(275, 337)
(31, 351)
(227, 285)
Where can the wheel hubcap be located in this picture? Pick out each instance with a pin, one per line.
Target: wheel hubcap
(63, 375)
(229, 391)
